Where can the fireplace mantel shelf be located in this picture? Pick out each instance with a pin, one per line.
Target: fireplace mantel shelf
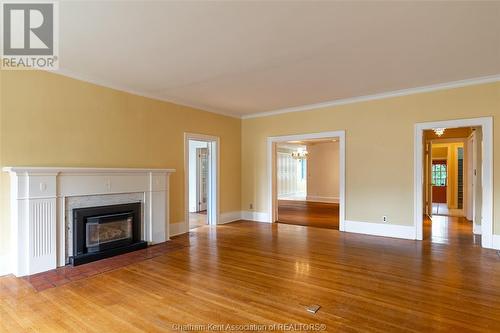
(80, 170)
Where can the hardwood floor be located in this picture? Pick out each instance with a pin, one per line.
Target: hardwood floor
(442, 209)
(197, 220)
(247, 272)
(313, 214)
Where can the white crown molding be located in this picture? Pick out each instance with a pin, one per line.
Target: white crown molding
(81, 77)
(389, 94)
(299, 108)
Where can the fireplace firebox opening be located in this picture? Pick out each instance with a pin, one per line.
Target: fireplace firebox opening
(106, 231)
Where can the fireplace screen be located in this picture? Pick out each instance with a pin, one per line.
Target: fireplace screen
(101, 233)
(106, 231)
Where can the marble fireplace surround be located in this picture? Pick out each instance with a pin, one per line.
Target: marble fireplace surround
(42, 199)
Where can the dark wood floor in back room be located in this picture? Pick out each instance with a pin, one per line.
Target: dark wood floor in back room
(248, 272)
(312, 214)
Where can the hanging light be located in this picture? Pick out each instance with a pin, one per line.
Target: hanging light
(300, 154)
(439, 131)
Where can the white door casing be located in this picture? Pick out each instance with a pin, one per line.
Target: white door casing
(213, 194)
(486, 125)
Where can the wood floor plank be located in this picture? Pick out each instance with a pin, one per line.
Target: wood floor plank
(247, 272)
(309, 213)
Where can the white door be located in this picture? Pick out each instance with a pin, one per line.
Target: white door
(202, 177)
(428, 178)
(469, 206)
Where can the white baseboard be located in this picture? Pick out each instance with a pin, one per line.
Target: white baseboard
(317, 198)
(180, 228)
(476, 229)
(177, 229)
(380, 229)
(229, 217)
(255, 216)
(4, 264)
(496, 242)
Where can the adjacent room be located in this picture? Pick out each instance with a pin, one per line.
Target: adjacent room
(453, 178)
(308, 182)
(198, 183)
(248, 166)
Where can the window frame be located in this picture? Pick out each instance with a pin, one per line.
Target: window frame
(439, 173)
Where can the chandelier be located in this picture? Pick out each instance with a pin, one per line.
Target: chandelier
(301, 154)
(439, 131)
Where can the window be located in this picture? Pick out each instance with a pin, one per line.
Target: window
(302, 165)
(439, 173)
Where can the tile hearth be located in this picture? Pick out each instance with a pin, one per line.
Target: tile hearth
(66, 274)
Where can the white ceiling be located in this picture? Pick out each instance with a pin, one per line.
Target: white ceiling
(242, 58)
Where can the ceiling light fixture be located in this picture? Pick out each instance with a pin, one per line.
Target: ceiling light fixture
(439, 131)
(300, 154)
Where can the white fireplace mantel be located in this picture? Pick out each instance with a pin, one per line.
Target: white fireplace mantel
(38, 198)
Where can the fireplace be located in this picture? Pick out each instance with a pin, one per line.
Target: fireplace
(106, 231)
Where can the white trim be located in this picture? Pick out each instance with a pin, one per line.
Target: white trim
(229, 217)
(5, 264)
(476, 229)
(299, 108)
(38, 216)
(496, 242)
(179, 228)
(176, 229)
(255, 216)
(53, 171)
(381, 229)
(449, 140)
(383, 95)
(213, 205)
(272, 197)
(103, 83)
(487, 163)
(316, 198)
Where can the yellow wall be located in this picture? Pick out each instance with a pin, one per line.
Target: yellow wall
(52, 120)
(379, 147)
(440, 152)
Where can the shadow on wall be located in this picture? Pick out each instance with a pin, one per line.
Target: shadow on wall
(323, 171)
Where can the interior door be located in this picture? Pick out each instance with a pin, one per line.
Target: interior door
(439, 181)
(469, 197)
(428, 179)
(202, 177)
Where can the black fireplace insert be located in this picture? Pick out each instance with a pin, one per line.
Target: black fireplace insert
(106, 231)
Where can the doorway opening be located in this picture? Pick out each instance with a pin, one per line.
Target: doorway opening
(201, 178)
(454, 181)
(307, 179)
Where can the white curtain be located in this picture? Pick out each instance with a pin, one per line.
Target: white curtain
(291, 176)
